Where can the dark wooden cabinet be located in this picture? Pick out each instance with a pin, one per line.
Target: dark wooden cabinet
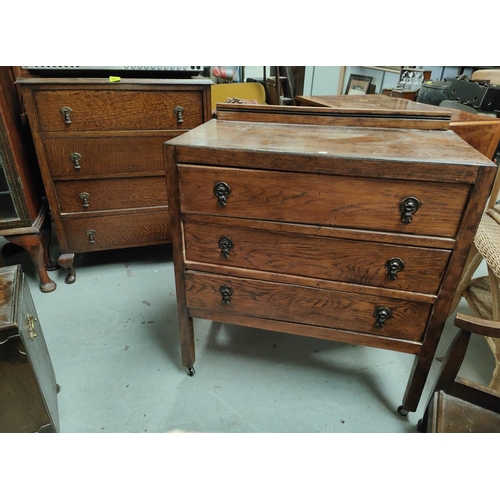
(23, 213)
(99, 146)
(352, 226)
(28, 389)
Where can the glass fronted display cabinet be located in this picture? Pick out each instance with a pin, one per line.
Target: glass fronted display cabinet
(24, 219)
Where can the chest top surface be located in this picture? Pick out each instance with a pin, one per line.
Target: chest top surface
(359, 143)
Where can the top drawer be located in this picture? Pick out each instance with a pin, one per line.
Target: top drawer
(327, 200)
(107, 110)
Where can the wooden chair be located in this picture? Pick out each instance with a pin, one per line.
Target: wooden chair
(491, 74)
(248, 91)
(456, 404)
(482, 293)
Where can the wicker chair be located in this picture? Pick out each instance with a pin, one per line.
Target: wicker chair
(482, 293)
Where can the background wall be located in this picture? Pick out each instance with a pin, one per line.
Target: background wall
(324, 80)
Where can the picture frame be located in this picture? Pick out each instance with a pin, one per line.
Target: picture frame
(358, 84)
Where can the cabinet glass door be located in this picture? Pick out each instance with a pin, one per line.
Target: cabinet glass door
(7, 208)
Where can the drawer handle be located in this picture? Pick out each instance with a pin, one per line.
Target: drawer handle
(75, 158)
(85, 198)
(90, 233)
(408, 207)
(222, 191)
(225, 244)
(31, 326)
(66, 111)
(227, 293)
(382, 314)
(179, 111)
(393, 267)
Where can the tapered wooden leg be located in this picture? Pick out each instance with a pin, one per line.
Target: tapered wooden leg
(187, 341)
(416, 383)
(66, 261)
(33, 244)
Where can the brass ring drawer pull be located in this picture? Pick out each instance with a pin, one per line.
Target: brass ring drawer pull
(222, 191)
(394, 266)
(85, 199)
(408, 207)
(225, 244)
(227, 293)
(66, 111)
(382, 314)
(90, 234)
(75, 159)
(179, 111)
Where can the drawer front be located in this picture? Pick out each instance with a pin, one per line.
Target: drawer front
(76, 156)
(363, 262)
(111, 194)
(327, 308)
(118, 110)
(88, 234)
(361, 203)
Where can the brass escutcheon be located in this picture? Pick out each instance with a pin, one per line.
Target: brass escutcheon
(31, 326)
(90, 233)
(66, 111)
(408, 207)
(393, 267)
(225, 244)
(227, 293)
(85, 199)
(382, 314)
(75, 159)
(179, 111)
(222, 191)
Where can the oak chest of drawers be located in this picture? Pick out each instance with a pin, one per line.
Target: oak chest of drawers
(99, 146)
(340, 225)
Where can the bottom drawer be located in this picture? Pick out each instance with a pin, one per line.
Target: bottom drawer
(87, 234)
(335, 309)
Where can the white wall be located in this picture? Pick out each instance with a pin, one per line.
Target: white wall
(324, 80)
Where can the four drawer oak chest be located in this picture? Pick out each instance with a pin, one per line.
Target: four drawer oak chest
(345, 225)
(99, 147)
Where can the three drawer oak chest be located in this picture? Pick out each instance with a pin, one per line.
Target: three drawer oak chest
(345, 225)
(99, 147)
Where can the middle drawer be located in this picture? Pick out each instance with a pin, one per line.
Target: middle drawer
(111, 194)
(74, 156)
(398, 267)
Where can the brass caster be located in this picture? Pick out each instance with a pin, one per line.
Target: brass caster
(421, 427)
(402, 411)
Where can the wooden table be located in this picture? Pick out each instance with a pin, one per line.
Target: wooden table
(481, 132)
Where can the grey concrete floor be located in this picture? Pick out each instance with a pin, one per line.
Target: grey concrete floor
(113, 340)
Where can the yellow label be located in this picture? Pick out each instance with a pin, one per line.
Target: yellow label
(113, 79)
